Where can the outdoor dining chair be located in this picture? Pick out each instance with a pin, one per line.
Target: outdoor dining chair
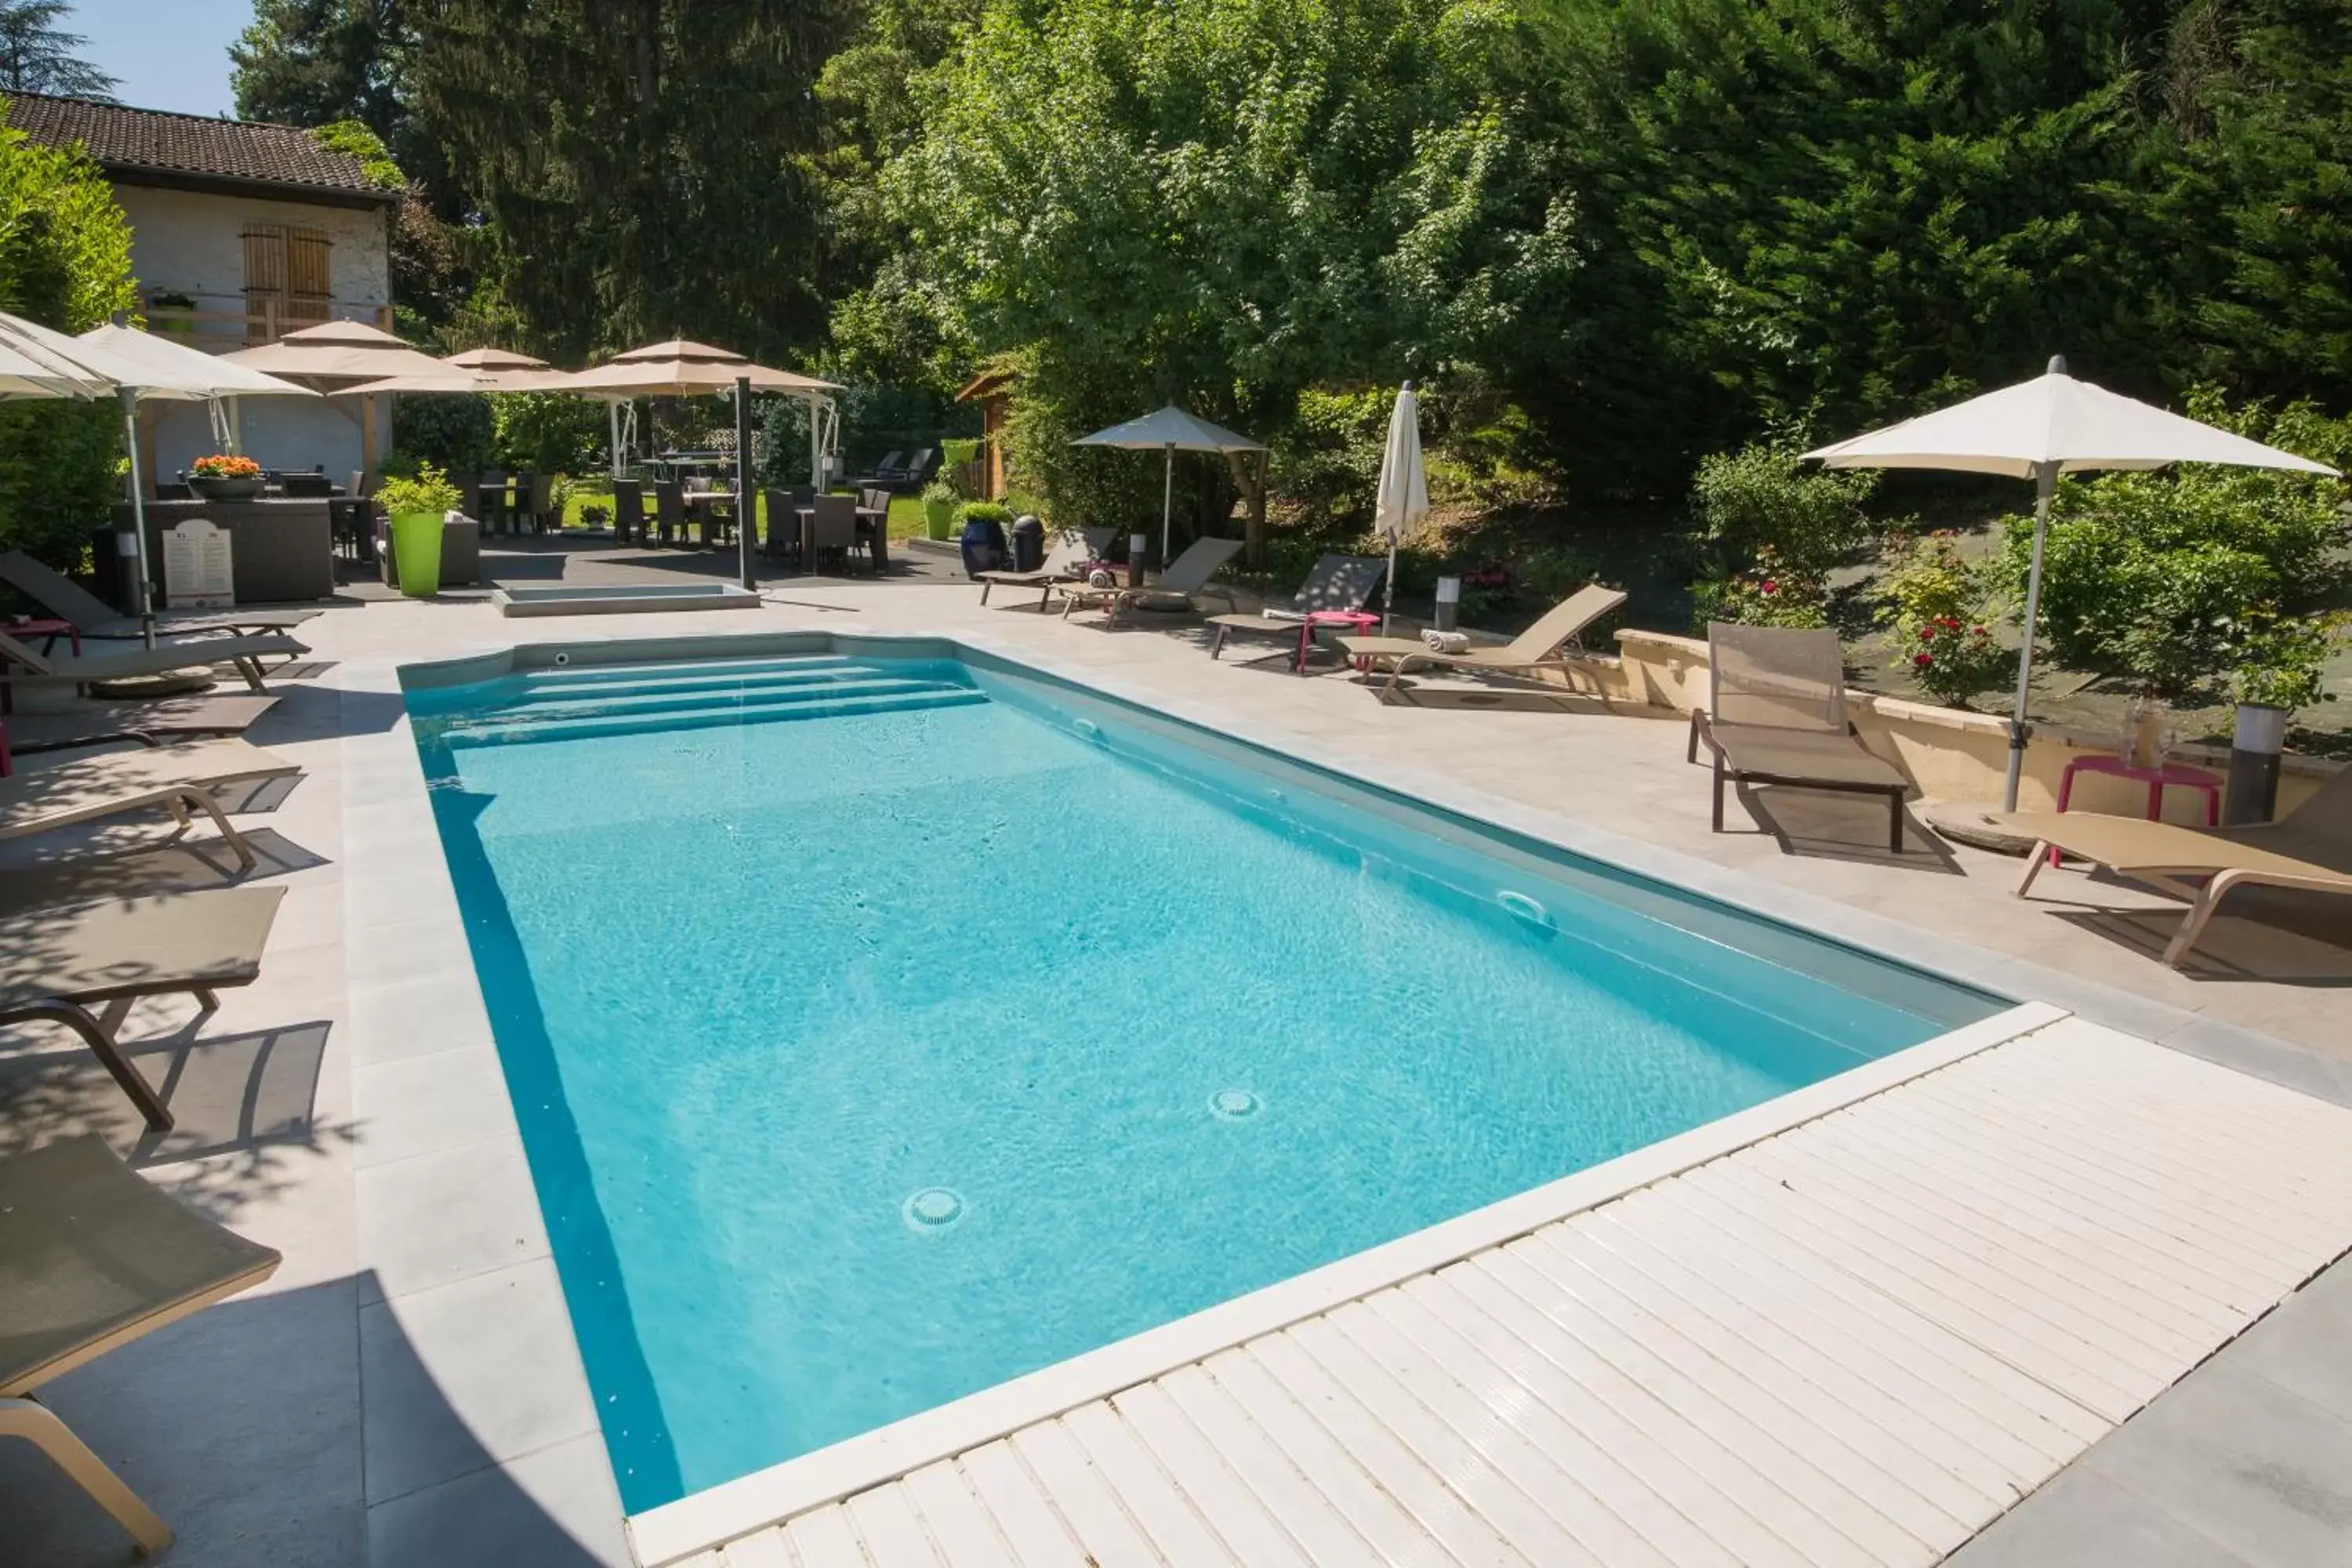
(669, 510)
(629, 510)
(832, 530)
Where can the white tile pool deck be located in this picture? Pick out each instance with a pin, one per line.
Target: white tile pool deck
(405, 1389)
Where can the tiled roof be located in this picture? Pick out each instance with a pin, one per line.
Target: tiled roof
(151, 141)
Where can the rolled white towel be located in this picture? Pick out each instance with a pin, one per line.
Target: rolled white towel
(1445, 642)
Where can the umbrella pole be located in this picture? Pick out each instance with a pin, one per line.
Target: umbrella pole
(612, 418)
(746, 503)
(130, 395)
(1388, 588)
(1166, 499)
(2045, 486)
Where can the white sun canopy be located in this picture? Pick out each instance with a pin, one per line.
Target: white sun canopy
(2038, 430)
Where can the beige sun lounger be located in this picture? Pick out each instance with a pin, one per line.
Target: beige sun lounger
(176, 778)
(1552, 642)
(94, 618)
(2309, 849)
(131, 663)
(1184, 577)
(57, 964)
(1059, 567)
(149, 723)
(97, 1257)
(1776, 715)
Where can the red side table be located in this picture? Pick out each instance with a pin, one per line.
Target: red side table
(2179, 775)
(1354, 620)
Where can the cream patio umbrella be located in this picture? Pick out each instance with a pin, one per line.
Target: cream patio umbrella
(1402, 500)
(1169, 431)
(475, 369)
(679, 368)
(2040, 429)
(336, 358)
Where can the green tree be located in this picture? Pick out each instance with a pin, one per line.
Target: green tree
(2152, 579)
(638, 168)
(38, 56)
(64, 262)
(1222, 203)
(1808, 211)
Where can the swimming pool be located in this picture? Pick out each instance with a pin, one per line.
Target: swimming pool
(882, 1029)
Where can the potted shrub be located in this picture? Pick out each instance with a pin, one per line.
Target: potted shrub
(2277, 664)
(940, 510)
(168, 311)
(419, 509)
(224, 476)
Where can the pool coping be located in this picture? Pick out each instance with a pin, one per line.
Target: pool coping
(705, 1518)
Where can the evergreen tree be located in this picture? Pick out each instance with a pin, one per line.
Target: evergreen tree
(640, 166)
(36, 55)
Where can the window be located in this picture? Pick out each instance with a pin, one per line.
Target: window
(287, 282)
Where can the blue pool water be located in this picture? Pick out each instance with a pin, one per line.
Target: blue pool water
(882, 1029)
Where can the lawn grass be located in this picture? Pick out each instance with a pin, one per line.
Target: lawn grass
(906, 511)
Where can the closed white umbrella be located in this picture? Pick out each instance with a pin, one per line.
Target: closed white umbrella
(1402, 500)
(1170, 430)
(2039, 429)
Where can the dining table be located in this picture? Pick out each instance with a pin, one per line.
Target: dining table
(873, 521)
(708, 510)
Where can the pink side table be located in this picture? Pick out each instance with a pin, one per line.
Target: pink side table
(2180, 775)
(1358, 621)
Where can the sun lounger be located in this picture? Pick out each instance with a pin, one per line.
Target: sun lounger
(1776, 715)
(2309, 849)
(1059, 567)
(1337, 583)
(1184, 577)
(1550, 644)
(149, 723)
(134, 663)
(98, 1256)
(58, 963)
(94, 618)
(174, 777)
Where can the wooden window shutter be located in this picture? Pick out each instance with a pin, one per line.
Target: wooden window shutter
(265, 280)
(309, 292)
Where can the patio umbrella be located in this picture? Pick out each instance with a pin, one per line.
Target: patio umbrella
(78, 369)
(679, 368)
(1402, 500)
(475, 369)
(1170, 430)
(336, 358)
(2039, 429)
(168, 368)
(337, 352)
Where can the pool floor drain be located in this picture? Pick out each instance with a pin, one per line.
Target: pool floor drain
(1235, 1105)
(933, 1208)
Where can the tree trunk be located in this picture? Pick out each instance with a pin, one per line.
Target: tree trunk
(1249, 474)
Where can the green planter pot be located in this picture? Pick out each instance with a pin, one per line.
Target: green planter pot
(939, 518)
(416, 552)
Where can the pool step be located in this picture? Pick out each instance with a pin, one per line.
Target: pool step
(692, 688)
(809, 666)
(622, 702)
(844, 702)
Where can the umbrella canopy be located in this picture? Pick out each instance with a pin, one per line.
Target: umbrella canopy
(338, 352)
(161, 367)
(2054, 422)
(1402, 500)
(681, 369)
(2039, 429)
(30, 369)
(1170, 430)
(479, 369)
